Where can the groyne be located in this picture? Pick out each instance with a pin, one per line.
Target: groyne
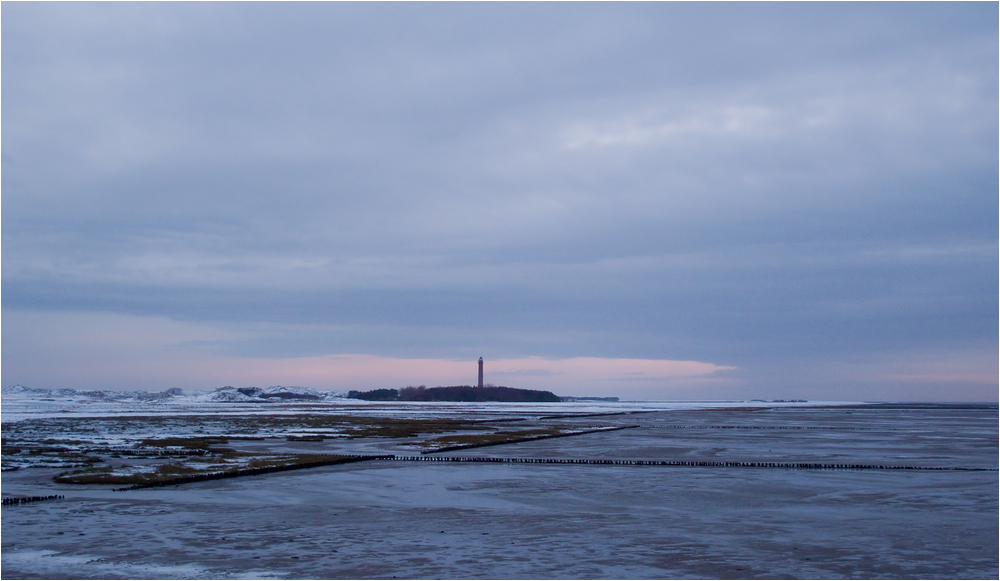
(16, 500)
(681, 463)
(144, 452)
(726, 427)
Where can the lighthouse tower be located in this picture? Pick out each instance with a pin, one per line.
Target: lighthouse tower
(480, 373)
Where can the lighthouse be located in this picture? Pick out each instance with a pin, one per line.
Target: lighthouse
(480, 373)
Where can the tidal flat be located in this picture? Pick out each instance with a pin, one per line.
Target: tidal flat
(743, 513)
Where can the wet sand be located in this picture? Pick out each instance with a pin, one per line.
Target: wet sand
(391, 519)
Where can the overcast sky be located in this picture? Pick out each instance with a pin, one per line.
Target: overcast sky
(656, 201)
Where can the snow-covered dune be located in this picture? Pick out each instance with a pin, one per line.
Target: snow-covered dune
(21, 402)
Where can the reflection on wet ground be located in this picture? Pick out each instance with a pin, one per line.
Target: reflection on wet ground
(388, 519)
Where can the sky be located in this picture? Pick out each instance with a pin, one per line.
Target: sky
(645, 200)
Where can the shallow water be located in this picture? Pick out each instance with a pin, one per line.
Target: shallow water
(390, 519)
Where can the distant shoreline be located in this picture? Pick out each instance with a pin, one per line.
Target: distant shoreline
(457, 393)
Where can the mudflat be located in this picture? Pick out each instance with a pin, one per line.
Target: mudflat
(406, 519)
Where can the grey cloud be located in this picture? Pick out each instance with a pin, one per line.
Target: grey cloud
(744, 184)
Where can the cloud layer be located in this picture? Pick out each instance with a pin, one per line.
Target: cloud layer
(775, 188)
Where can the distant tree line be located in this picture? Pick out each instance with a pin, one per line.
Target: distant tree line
(455, 393)
(375, 395)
